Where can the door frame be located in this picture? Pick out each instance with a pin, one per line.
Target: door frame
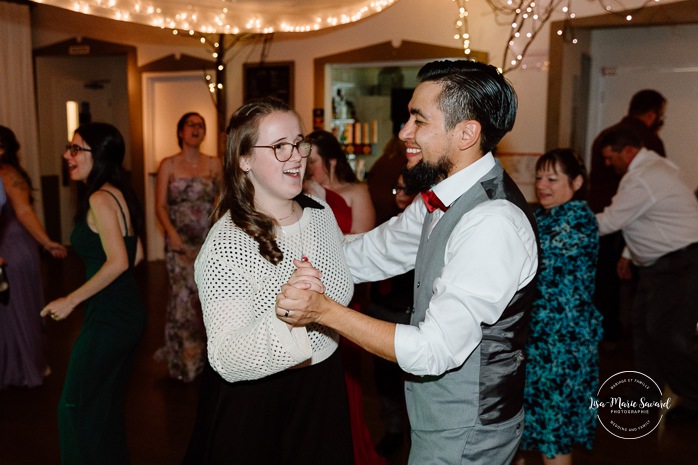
(567, 60)
(83, 47)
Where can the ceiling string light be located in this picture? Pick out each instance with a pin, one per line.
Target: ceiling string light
(221, 47)
(229, 16)
(526, 18)
(462, 35)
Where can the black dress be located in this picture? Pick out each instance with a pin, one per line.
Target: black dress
(248, 422)
(91, 408)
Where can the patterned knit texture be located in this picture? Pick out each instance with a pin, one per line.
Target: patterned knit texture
(238, 289)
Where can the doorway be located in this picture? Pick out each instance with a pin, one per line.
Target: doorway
(97, 87)
(373, 96)
(620, 71)
(624, 58)
(362, 74)
(166, 97)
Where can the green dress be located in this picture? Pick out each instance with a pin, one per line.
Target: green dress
(91, 408)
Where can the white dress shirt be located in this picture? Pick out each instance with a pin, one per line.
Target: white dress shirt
(656, 211)
(490, 255)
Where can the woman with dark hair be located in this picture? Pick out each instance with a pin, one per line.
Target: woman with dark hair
(91, 408)
(186, 189)
(331, 178)
(21, 336)
(277, 395)
(565, 329)
(328, 167)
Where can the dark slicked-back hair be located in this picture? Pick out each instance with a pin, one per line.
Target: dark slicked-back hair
(183, 120)
(567, 161)
(620, 137)
(474, 91)
(644, 101)
(107, 148)
(237, 194)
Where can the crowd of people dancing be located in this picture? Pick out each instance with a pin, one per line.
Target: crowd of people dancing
(484, 314)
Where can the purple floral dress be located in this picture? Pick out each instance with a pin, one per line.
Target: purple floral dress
(191, 203)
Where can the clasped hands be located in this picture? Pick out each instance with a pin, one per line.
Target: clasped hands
(302, 300)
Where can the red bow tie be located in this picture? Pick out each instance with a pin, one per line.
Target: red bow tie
(432, 201)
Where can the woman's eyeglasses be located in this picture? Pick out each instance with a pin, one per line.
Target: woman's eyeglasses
(195, 125)
(399, 188)
(284, 150)
(75, 149)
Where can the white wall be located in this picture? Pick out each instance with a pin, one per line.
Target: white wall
(414, 20)
(429, 22)
(432, 22)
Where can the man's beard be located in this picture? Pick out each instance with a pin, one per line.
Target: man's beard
(422, 176)
(657, 125)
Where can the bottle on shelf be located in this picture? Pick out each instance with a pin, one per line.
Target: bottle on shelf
(339, 105)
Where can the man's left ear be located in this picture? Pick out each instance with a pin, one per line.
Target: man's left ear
(577, 183)
(469, 132)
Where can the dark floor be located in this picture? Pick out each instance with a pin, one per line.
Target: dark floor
(160, 411)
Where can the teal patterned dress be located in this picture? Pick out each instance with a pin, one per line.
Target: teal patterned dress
(562, 368)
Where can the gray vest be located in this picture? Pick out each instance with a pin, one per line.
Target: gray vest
(489, 384)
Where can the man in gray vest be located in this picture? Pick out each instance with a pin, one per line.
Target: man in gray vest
(473, 245)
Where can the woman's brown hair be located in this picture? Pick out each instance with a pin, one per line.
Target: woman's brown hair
(237, 194)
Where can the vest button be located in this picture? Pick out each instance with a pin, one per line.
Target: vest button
(418, 284)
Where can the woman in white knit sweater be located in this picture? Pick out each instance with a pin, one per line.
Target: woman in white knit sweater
(275, 394)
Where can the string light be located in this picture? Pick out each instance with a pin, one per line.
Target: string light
(187, 15)
(526, 17)
(219, 46)
(462, 35)
(529, 16)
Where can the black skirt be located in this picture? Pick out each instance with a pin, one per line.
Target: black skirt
(295, 417)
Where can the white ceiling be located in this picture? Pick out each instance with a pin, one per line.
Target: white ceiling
(230, 16)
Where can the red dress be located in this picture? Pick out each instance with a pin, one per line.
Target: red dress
(364, 451)
(341, 210)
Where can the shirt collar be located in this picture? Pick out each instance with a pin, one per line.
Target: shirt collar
(639, 158)
(458, 183)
